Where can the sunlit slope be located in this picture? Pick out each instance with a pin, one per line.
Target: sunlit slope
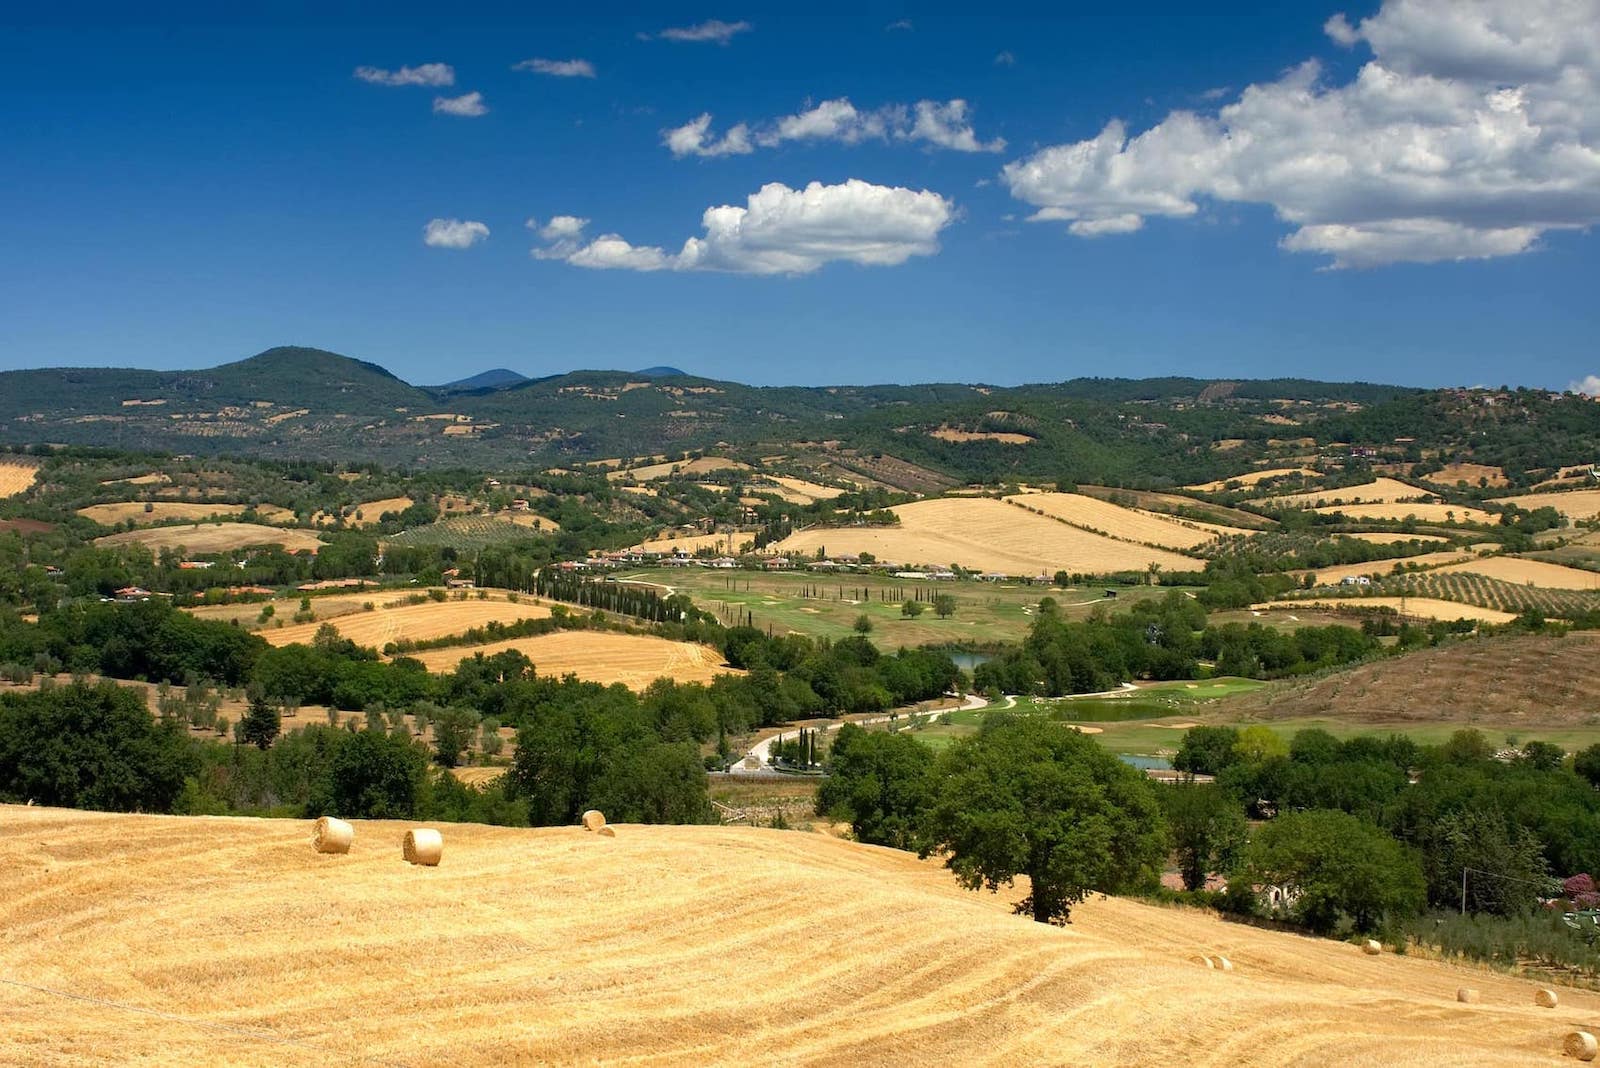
(662, 945)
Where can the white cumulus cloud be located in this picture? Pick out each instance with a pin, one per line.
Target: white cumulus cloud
(1471, 131)
(714, 30)
(941, 125)
(431, 74)
(694, 138)
(1588, 385)
(467, 105)
(558, 68)
(780, 230)
(454, 233)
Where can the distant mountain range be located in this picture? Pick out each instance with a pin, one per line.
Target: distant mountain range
(309, 404)
(499, 378)
(502, 378)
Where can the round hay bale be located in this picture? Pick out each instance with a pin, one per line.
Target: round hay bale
(1467, 995)
(1371, 948)
(1545, 998)
(1580, 1044)
(593, 820)
(1204, 962)
(607, 831)
(424, 846)
(332, 835)
(1224, 964)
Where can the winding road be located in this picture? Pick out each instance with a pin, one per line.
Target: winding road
(756, 763)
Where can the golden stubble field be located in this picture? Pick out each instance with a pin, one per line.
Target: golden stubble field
(1421, 607)
(1252, 478)
(216, 538)
(1529, 573)
(703, 466)
(1399, 512)
(725, 544)
(416, 622)
(16, 475)
(167, 511)
(370, 512)
(1575, 504)
(635, 660)
(664, 945)
(1331, 576)
(1378, 491)
(986, 535)
(1124, 523)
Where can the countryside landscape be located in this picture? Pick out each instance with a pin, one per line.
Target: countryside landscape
(1138, 605)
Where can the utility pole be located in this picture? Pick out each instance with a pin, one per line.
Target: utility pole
(1463, 891)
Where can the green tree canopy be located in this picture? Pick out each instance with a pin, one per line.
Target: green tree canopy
(1026, 796)
(82, 746)
(1208, 828)
(1337, 868)
(879, 781)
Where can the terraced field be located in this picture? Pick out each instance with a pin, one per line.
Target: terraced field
(664, 945)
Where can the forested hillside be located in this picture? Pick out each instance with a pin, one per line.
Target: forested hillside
(1154, 433)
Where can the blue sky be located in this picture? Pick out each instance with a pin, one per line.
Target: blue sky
(179, 190)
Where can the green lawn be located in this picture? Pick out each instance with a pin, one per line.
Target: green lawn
(828, 605)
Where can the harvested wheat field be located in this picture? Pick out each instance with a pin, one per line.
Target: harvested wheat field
(664, 945)
(216, 538)
(986, 535)
(635, 660)
(1383, 537)
(16, 475)
(815, 490)
(1378, 491)
(1472, 474)
(1575, 505)
(728, 544)
(1423, 513)
(415, 622)
(1331, 576)
(1253, 478)
(1530, 573)
(166, 511)
(953, 434)
(1127, 524)
(1419, 607)
(370, 512)
(703, 466)
(154, 478)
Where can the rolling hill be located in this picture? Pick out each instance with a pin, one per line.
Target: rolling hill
(1155, 434)
(663, 945)
(1529, 679)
